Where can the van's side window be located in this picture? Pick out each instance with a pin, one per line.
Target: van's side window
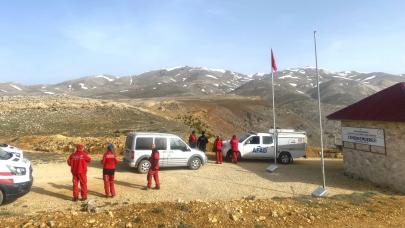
(144, 144)
(161, 143)
(267, 140)
(254, 140)
(177, 144)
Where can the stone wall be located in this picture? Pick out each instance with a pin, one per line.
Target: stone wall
(384, 169)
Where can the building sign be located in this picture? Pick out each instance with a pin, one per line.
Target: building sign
(368, 136)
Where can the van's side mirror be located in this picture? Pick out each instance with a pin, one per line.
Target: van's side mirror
(186, 149)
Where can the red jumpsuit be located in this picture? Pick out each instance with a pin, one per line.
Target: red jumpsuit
(235, 150)
(109, 162)
(192, 140)
(78, 163)
(154, 169)
(218, 150)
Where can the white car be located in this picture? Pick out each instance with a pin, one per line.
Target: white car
(15, 173)
(291, 144)
(174, 152)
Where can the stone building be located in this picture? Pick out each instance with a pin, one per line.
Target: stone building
(373, 137)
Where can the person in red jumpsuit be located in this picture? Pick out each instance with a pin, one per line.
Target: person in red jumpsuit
(218, 149)
(78, 163)
(109, 162)
(154, 168)
(192, 140)
(235, 150)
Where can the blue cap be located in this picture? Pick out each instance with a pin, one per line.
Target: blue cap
(110, 146)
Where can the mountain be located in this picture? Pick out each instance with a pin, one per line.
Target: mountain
(177, 81)
(220, 101)
(343, 87)
(337, 88)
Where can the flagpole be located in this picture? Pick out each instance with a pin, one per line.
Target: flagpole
(273, 167)
(274, 119)
(320, 191)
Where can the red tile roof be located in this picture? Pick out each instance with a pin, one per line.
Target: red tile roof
(386, 105)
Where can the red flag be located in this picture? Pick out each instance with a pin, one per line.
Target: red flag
(273, 61)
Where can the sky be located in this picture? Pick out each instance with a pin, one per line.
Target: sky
(52, 41)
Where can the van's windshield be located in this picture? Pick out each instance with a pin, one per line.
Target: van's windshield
(4, 155)
(244, 137)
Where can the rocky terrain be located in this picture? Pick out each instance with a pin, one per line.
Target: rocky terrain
(73, 116)
(360, 210)
(54, 123)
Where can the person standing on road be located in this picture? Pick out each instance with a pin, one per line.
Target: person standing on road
(235, 150)
(218, 149)
(109, 162)
(78, 163)
(192, 140)
(202, 142)
(154, 168)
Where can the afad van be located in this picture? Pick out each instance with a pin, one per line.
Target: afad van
(15, 173)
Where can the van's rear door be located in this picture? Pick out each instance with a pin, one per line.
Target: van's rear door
(129, 147)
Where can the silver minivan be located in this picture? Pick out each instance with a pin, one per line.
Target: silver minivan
(174, 152)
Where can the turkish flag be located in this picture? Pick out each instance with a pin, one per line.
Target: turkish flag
(273, 61)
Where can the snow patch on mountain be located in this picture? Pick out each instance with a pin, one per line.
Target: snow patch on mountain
(369, 78)
(15, 87)
(211, 76)
(288, 76)
(4, 91)
(293, 84)
(208, 69)
(174, 68)
(49, 93)
(83, 86)
(342, 77)
(105, 77)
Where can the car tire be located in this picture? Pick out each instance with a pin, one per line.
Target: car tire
(195, 163)
(1, 197)
(143, 166)
(284, 158)
(229, 156)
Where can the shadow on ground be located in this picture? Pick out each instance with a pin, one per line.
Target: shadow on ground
(309, 171)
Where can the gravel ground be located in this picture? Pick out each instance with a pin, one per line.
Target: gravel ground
(52, 183)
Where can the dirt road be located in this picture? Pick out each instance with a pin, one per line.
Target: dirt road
(52, 183)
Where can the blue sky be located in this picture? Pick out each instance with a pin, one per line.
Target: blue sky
(52, 41)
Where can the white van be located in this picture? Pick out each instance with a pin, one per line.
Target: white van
(15, 173)
(174, 152)
(291, 144)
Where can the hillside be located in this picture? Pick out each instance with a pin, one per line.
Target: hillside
(183, 98)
